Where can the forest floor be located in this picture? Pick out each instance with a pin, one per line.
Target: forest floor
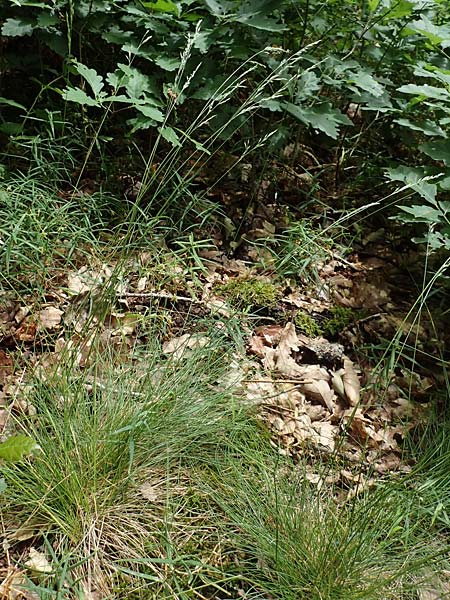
(248, 416)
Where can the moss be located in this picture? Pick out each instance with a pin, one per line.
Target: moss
(306, 324)
(341, 317)
(245, 293)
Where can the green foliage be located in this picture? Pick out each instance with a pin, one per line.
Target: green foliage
(133, 66)
(245, 293)
(111, 59)
(425, 115)
(17, 447)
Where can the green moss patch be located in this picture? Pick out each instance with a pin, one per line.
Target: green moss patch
(246, 293)
(306, 324)
(341, 317)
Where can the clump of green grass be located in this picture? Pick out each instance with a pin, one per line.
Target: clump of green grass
(297, 252)
(249, 293)
(298, 542)
(40, 233)
(106, 434)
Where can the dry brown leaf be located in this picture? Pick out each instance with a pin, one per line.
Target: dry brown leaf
(303, 423)
(320, 391)
(285, 427)
(49, 318)
(280, 359)
(278, 424)
(6, 365)
(27, 331)
(327, 434)
(261, 390)
(270, 333)
(352, 385)
(257, 346)
(4, 416)
(389, 462)
(178, 346)
(435, 585)
(38, 562)
(235, 375)
(360, 487)
(403, 408)
(85, 279)
(291, 399)
(149, 492)
(218, 306)
(387, 437)
(429, 594)
(316, 412)
(289, 427)
(362, 431)
(90, 594)
(25, 532)
(288, 339)
(20, 315)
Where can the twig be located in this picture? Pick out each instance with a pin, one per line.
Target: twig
(162, 295)
(294, 381)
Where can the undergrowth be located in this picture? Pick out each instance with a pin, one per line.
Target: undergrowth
(154, 477)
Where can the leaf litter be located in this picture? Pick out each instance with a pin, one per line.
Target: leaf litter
(313, 405)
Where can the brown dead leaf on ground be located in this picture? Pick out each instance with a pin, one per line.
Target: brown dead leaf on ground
(218, 306)
(38, 562)
(6, 366)
(122, 324)
(87, 280)
(326, 404)
(352, 385)
(319, 390)
(27, 330)
(150, 492)
(49, 318)
(279, 358)
(4, 417)
(21, 313)
(271, 334)
(327, 434)
(180, 346)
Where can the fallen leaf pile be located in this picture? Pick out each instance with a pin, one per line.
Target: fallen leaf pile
(310, 394)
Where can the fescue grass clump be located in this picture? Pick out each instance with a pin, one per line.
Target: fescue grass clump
(41, 233)
(119, 448)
